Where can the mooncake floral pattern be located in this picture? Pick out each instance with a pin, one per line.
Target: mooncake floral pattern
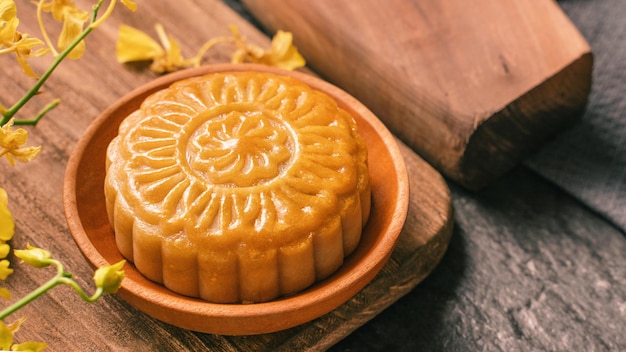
(240, 149)
(231, 161)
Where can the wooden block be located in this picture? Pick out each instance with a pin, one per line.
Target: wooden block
(472, 88)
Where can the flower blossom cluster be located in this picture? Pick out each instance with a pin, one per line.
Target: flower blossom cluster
(76, 25)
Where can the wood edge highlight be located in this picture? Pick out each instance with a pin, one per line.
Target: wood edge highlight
(525, 125)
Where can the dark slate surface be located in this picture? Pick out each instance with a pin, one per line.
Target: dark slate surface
(589, 161)
(528, 269)
(537, 260)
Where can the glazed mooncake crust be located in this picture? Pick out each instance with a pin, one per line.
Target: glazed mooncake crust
(237, 187)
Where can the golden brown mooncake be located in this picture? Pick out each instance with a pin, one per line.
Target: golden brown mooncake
(237, 187)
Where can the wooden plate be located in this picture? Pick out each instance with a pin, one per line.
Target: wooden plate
(85, 211)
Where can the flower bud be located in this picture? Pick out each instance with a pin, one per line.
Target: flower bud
(37, 257)
(110, 277)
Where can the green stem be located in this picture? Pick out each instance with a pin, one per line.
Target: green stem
(61, 277)
(56, 280)
(40, 82)
(53, 104)
(99, 292)
(94, 21)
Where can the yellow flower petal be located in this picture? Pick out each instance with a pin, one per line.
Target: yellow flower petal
(283, 54)
(13, 139)
(28, 71)
(135, 45)
(62, 9)
(73, 19)
(72, 28)
(26, 154)
(8, 10)
(281, 43)
(8, 31)
(4, 250)
(7, 226)
(131, 5)
(5, 271)
(30, 346)
(172, 60)
(5, 293)
(6, 333)
(6, 337)
(11, 143)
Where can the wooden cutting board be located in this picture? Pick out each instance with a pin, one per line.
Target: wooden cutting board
(473, 87)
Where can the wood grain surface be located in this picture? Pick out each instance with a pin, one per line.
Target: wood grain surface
(86, 88)
(473, 88)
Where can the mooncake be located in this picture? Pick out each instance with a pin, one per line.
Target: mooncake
(237, 187)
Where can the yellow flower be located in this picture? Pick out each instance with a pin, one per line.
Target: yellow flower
(4, 293)
(7, 227)
(282, 53)
(6, 333)
(134, 45)
(110, 277)
(12, 41)
(73, 19)
(11, 143)
(6, 339)
(23, 46)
